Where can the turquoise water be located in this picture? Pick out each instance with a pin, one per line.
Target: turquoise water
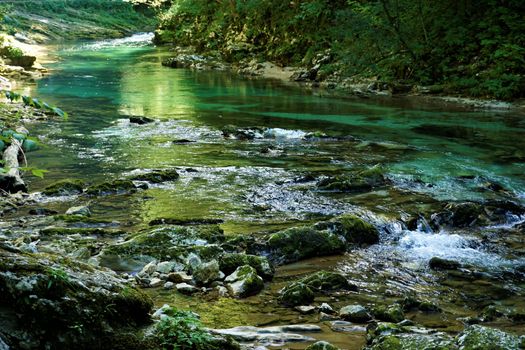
(100, 84)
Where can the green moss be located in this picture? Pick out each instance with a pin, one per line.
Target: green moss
(484, 338)
(117, 186)
(303, 242)
(354, 229)
(80, 218)
(64, 187)
(231, 261)
(63, 231)
(392, 313)
(296, 294)
(325, 281)
(157, 176)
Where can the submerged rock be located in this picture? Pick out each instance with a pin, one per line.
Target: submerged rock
(244, 282)
(113, 187)
(64, 188)
(303, 242)
(140, 120)
(270, 335)
(157, 176)
(363, 181)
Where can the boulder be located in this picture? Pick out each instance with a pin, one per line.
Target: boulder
(354, 229)
(359, 182)
(392, 313)
(244, 282)
(303, 242)
(296, 294)
(355, 313)
(206, 273)
(484, 338)
(325, 281)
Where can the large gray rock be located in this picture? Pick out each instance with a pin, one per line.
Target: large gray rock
(355, 313)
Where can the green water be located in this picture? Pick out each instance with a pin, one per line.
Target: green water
(426, 149)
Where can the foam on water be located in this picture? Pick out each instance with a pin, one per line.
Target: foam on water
(279, 133)
(136, 40)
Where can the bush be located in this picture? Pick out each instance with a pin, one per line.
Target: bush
(182, 330)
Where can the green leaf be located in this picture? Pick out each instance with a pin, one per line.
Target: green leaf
(60, 112)
(47, 106)
(27, 100)
(36, 103)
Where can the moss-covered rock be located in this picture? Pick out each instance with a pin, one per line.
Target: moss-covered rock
(65, 304)
(303, 242)
(157, 176)
(484, 338)
(64, 188)
(206, 273)
(231, 261)
(165, 243)
(296, 294)
(113, 187)
(322, 345)
(244, 282)
(325, 281)
(65, 231)
(355, 313)
(390, 336)
(354, 229)
(359, 182)
(392, 313)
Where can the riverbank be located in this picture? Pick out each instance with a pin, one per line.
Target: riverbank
(332, 85)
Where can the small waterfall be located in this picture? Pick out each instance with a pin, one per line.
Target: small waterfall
(136, 40)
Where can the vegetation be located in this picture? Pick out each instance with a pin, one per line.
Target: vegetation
(473, 48)
(107, 18)
(182, 330)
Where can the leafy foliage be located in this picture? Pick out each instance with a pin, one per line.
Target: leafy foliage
(474, 48)
(182, 330)
(35, 103)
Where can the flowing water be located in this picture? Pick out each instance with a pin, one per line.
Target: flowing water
(431, 153)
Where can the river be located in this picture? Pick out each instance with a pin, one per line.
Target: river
(432, 153)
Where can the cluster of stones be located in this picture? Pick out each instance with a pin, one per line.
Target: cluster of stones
(205, 277)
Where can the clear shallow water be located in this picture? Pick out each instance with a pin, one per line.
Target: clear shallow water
(427, 151)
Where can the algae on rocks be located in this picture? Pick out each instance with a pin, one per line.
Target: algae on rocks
(65, 304)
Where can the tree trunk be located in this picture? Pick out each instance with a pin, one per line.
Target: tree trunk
(11, 181)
